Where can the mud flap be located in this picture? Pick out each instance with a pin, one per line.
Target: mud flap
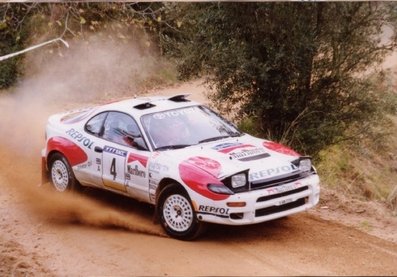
(44, 172)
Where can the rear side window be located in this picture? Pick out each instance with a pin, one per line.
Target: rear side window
(94, 125)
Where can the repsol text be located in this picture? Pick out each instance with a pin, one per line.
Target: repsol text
(76, 135)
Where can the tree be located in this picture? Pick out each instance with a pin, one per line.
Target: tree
(297, 69)
(22, 24)
(12, 38)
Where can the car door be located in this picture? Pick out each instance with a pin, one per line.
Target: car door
(114, 159)
(124, 166)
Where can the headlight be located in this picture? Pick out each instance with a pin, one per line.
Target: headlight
(305, 165)
(239, 180)
(221, 189)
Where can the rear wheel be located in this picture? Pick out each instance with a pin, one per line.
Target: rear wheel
(61, 174)
(177, 215)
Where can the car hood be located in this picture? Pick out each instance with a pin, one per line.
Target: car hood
(262, 159)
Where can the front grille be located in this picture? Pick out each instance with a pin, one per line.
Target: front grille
(278, 195)
(269, 182)
(277, 181)
(281, 208)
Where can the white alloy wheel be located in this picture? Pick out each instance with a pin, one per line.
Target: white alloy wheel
(178, 213)
(60, 176)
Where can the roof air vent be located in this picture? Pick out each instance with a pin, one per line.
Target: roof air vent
(144, 106)
(180, 98)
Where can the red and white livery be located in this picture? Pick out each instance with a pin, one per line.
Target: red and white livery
(182, 157)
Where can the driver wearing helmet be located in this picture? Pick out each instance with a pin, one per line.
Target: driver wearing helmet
(169, 131)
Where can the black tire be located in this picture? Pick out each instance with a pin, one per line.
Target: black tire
(61, 174)
(177, 215)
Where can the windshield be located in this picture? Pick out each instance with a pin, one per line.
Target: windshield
(186, 126)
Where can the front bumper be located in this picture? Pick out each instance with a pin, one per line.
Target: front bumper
(264, 204)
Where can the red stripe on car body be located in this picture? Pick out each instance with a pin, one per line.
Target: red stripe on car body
(280, 148)
(209, 165)
(73, 153)
(197, 179)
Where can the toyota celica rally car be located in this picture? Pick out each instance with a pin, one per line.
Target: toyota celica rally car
(185, 159)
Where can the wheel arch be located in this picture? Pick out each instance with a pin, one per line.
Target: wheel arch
(165, 182)
(50, 155)
(167, 188)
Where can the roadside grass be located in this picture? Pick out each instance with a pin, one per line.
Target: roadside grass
(366, 170)
(366, 225)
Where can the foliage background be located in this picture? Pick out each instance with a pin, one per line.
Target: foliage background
(296, 72)
(306, 74)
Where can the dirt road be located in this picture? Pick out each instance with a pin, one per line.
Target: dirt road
(98, 233)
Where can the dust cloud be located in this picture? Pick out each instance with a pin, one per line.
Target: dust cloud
(56, 80)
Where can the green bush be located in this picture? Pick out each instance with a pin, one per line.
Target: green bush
(299, 69)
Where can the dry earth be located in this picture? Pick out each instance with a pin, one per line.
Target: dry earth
(98, 233)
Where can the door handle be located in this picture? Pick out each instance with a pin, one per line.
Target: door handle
(98, 149)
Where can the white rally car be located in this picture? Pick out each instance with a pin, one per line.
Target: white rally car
(182, 157)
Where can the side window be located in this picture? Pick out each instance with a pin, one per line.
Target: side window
(122, 129)
(94, 125)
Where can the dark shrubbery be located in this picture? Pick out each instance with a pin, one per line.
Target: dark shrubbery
(299, 70)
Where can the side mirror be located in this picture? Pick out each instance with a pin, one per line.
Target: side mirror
(136, 141)
(140, 144)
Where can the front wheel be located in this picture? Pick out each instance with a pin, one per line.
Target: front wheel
(177, 215)
(62, 176)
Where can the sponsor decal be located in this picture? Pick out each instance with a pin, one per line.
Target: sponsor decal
(270, 172)
(156, 154)
(136, 157)
(115, 151)
(230, 146)
(283, 188)
(84, 165)
(135, 171)
(250, 154)
(76, 135)
(156, 167)
(153, 184)
(213, 210)
(226, 145)
(98, 162)
(174, 113)
(279, 148)
(211, 166)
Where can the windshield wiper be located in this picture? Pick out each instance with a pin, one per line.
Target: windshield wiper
(175, 146)
(236, 134)
(213, 139)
